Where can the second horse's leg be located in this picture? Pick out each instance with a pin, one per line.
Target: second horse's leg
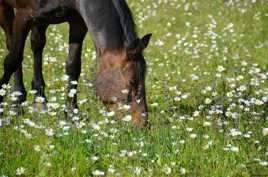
(6, 21)
(14, 59)
(73, 66)
(38, 42)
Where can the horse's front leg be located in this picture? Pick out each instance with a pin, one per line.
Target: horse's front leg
(20, 88)
(38, 42)
(73, 66)
(13, 60)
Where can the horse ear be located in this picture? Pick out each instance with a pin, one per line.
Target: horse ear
(145, 40)
(138, 45)
(134, 47)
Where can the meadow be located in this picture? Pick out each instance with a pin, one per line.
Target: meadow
(207, 91)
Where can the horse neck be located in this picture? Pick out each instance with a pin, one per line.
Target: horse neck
(104, 25)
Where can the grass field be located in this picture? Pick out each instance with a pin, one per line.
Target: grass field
(207, 85)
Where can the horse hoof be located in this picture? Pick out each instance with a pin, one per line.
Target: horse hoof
(17, 109)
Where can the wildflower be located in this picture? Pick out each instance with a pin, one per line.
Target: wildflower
(221, 68)
(51, 146)
(72, 92)
(184, 96)
(235, 132)
(193, 135)
(20, 171)
(2, 92)
(74, 82)
(125, 107)
(206, 124)
(110, 114)
(49, 132)
(189, 129)
(173, 88)
(208, 101)
(111, 169)
(76, 118)
(64, 77)
(154, 104)
(263, 163)
(258, 102)
(48, 164)
(182, 170)
(37, 148)
(40, 99)
(206, 136)
(130, 154)
(242, 88)
(229, 94)
(182, 141)
(95, 126)
(29, 122)
(98, 173)
(94, 158)
(127, 118)
(234, 149)
(75, 111)
(194, 77)
(73, 169)
(33, 92)
(137, 171)
(177, 99)
(196, 113)
(208, 88)
(167, 170)
(265, 131)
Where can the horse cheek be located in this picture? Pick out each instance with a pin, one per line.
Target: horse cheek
(109, 85)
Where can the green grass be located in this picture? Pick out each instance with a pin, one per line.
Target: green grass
(191, 41)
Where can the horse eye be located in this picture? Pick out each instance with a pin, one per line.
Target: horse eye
(131, 56)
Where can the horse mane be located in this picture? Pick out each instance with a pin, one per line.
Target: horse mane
(129, 29)
(126, 20)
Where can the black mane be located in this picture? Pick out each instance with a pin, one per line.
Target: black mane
(126, 20)
(129, 29)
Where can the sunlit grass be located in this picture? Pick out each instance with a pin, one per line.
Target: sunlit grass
(207, 95)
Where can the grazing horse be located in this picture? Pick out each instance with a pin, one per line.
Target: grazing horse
(121, 78)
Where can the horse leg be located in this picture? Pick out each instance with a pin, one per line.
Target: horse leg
(38, 42)
(6, 21)
(14, 58)
(19, 87)
(78, 31)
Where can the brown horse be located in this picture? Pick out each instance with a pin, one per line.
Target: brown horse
(121, 78)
